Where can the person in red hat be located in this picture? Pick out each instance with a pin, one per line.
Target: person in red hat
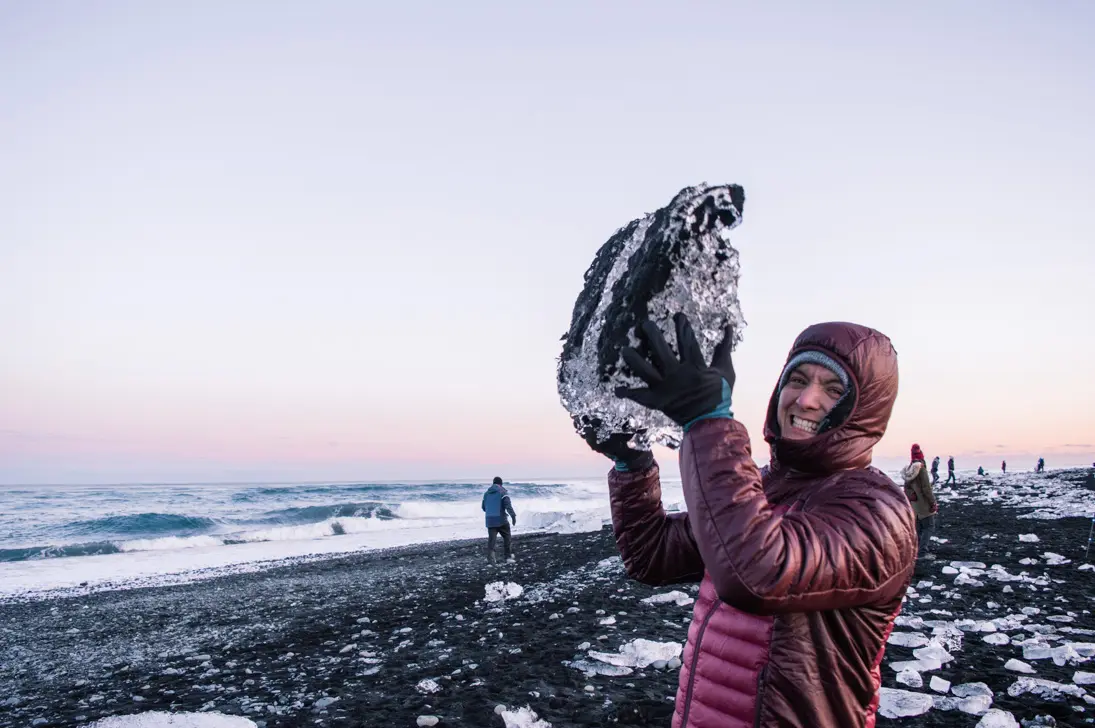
(918, 489)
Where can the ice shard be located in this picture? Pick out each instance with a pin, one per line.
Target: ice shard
(676, 259)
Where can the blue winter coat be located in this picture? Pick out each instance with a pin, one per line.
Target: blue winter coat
(496, 504)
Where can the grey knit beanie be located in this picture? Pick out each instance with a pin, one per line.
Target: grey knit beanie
(840, 409)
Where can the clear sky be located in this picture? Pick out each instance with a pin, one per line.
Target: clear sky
(341, 240)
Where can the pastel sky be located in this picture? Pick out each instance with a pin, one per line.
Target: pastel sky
(341, 240)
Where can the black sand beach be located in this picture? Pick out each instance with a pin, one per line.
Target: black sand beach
(349, 641)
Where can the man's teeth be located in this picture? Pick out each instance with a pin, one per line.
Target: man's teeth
(802, 424)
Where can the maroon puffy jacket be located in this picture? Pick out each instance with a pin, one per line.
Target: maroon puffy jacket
(803, 568)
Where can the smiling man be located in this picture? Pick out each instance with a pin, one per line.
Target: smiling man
(802, 566)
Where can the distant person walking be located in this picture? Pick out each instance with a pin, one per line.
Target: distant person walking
(980, 471)
(1003, 466)
(918, 489)
(1040, 468)
(935, 470)
(950, 471)
(496, 504)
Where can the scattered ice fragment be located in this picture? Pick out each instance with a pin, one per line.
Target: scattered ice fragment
(676, 597)
(592, 667)
(997, 718)
(895, 703)
(639, 653)
(926, 664)
(424, 721)
(907, 639)
(942, 702)
(1018, 666)
(1044, 688)
(608, 620)
(1066, 654)
(163, 719)
(964, 579)
(911, 678)
(1030, 611)
(949, 570)
(960, 565)
(1029, 538)
(522, 718)
(1037, 652)
(967, 690)
(996, 638)
(1083, 678)
(975, 704)
(498, 591)
(427, 686)
(939, 685)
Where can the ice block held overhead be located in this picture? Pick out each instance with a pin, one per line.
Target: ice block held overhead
(675, 260)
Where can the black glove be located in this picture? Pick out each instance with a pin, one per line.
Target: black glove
(685, 389)
(617, 447)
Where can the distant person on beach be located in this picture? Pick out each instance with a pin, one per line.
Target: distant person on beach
(802, 565)
(1041, 466)
(935, 470)
(950, 471)
(496, 504)
(918, 489)
(1003, 466)
(980, 471)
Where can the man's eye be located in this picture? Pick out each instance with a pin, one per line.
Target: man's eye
(836, 393)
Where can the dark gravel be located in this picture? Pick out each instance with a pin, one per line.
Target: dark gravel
(291, 645)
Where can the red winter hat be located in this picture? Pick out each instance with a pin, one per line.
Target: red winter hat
(917, 454)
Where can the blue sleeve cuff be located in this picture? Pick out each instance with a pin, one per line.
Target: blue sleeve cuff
(720, 412)
(637, 464)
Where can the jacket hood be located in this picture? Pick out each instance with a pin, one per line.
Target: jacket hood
(871, 361)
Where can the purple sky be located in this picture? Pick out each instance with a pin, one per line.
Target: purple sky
(341, 240)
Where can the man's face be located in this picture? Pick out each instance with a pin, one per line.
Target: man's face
(810, 392)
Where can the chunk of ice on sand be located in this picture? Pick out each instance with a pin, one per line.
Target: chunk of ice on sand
(639, 653)
(996, 718)
(523, 718)
(498, 591)
(903, 703)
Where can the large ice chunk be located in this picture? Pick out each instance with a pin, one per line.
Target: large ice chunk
(894, 703)
(675, 260)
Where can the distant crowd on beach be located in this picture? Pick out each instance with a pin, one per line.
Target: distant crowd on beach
(919, 489)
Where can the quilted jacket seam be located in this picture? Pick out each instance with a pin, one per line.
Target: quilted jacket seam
(880, 588)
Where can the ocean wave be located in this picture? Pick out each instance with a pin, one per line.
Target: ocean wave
(141, 523)
(394, 492)
(53, 552)
(317, 514)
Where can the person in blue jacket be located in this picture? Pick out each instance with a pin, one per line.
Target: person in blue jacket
(496, 504)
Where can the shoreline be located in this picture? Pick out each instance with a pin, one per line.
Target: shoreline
(381, 637)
